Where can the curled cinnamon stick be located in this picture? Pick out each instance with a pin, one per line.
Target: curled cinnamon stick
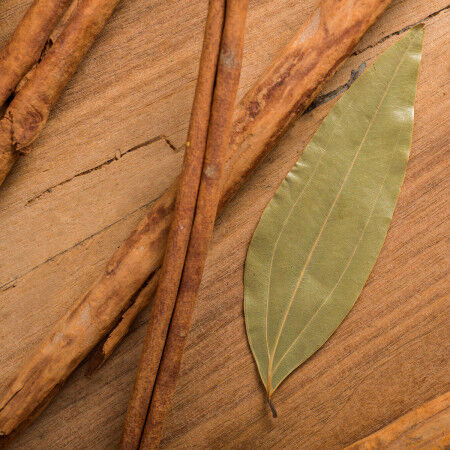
(25, 45)
(29, 109)
(227, 80)
(282, 93)
(180, 229)
(48, 44)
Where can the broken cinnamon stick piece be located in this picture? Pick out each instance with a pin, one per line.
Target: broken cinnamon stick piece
(424, 427)
(106, 347)
(180, 229)
(282, 93)
(29, 109)
(227, 80)
(24, 47)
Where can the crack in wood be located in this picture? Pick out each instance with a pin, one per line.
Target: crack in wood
(109, 161)
(321, 99)
(399, 32)
(12, 282)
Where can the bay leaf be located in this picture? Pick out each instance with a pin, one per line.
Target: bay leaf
(320, 235)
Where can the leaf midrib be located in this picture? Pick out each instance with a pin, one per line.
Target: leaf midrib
(280, 234)
(271, 356)
(351, 257)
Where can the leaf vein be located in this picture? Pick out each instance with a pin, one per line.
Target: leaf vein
(351, 257)
(291, 300)
(300, 195)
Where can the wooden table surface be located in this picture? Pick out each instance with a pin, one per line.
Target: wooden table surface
(114, 143)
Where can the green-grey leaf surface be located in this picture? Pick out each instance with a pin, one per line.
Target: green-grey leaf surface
(320, 235)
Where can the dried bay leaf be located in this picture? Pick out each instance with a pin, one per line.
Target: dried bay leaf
(320, 235)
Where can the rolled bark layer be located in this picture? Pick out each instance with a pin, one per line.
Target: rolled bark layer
(282, 93)
(25, 46)
(106, 347)
(227, 80)
(48, 44)
(180, 228)
(29, 109)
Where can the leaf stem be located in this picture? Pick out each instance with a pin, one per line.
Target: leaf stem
(272, 407)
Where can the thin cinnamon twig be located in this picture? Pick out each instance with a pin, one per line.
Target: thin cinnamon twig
(281, 94)
(25, 45)
(29, 109)
(227, 80)
(180, 229)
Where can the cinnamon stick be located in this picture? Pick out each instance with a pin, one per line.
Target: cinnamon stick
(227, 81)
(25, 45)
(282, 93)
(180, 229)
(427, 426)
(28, 111)
(48, 44)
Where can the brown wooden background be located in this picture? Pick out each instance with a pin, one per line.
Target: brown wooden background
(113, 144)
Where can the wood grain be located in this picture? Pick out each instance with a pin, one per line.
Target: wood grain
(112, 145)
(427, 426)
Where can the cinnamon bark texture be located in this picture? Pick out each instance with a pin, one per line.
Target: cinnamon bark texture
(424, 427)
(227, 81)
(282, 93)
(27, 42)
(48, 44)
(180, 229)
(176, 262)
(29, 109)
(104, 350)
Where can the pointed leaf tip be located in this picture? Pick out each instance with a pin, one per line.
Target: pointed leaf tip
(320, 235)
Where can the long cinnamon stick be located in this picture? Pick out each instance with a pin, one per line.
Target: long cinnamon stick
(29, 109)
(282, 93)
(227, 81)
(25, 45)
(180, 229)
